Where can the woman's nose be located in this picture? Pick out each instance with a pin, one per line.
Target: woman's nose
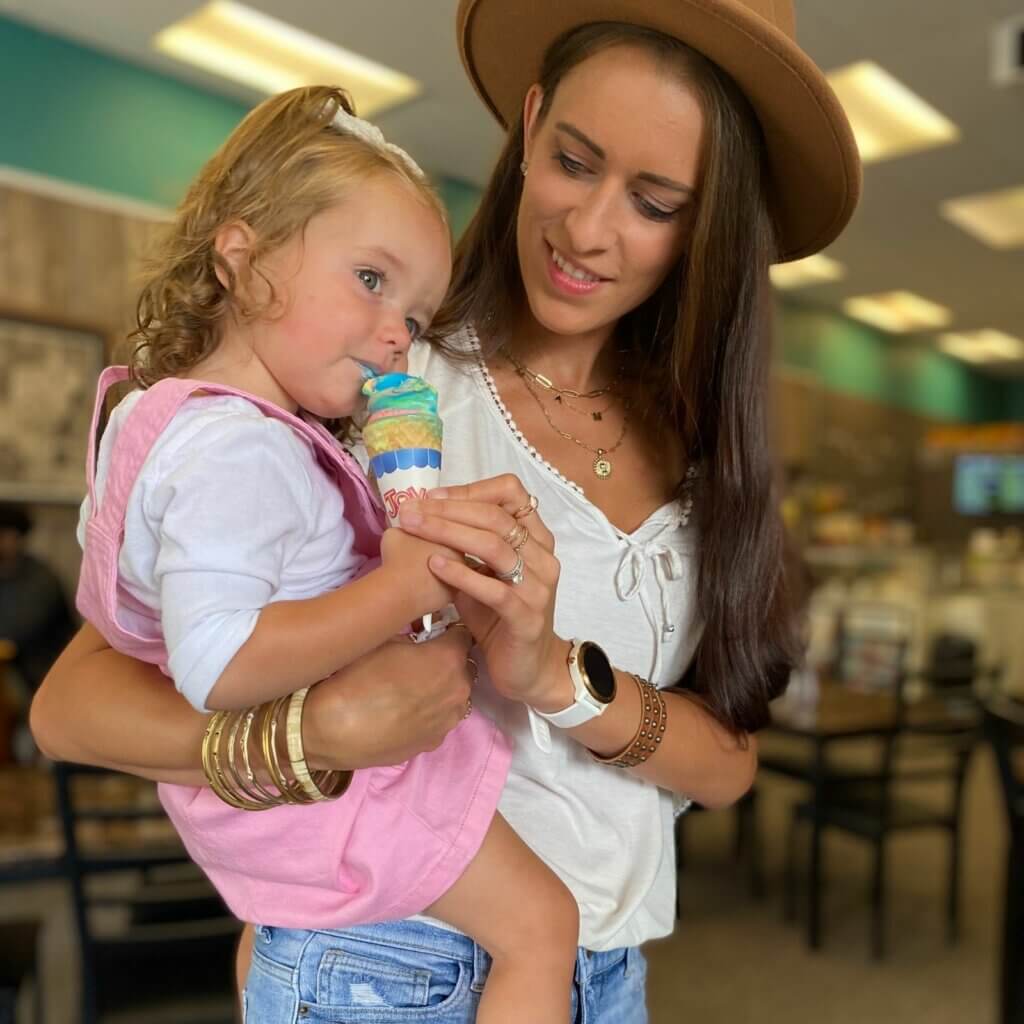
(590, 224)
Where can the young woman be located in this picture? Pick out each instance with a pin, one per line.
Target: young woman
(604, 351)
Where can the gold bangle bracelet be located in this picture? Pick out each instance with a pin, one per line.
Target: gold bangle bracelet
(270, 799)
(214, 770)
(325, 785)
(649, 732)
(292, 794)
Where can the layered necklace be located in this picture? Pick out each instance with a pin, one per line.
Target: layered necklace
(602, 464)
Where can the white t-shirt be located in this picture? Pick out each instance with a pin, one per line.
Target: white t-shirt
(230, 512)
(607, 834)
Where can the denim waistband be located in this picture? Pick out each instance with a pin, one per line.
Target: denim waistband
(289, 945)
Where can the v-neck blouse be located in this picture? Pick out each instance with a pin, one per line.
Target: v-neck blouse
(607, 834)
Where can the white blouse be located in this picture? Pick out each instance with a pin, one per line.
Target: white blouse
(607, 834)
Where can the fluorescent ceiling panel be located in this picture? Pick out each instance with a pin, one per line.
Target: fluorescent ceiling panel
(246, 46)
(801, 273)
(898, 312)
(888, 120)
(985, 346)
(994, 218)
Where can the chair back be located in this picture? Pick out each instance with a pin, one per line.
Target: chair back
(871, 646)
(1004, 728)
(162, 911)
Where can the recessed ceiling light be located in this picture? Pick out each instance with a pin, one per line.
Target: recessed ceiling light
(887, 118)
(985, 346)
(237, 42)
(898, 312)
(995, 218)
(811, 270)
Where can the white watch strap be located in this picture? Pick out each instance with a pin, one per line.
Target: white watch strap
(583, 710)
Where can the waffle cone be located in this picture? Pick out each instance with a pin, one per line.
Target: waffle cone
(398, 432)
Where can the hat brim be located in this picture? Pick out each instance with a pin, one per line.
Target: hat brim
(814, 166)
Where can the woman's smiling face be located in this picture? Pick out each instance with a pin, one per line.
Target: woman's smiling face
(610, 193)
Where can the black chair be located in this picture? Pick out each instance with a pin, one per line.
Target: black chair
(746, 844)
(1004, 728)
(19, 966)
(159, 945)
(879, 801)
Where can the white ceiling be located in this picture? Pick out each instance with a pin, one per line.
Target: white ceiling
(897, 240)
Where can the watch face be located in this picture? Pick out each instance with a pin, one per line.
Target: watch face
(598, 670)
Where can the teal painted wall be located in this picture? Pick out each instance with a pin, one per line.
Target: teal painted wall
(852, 358)
(81, 116)
(84, 117)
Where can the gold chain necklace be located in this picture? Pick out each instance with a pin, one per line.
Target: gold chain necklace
(601, 465)
(548, 385)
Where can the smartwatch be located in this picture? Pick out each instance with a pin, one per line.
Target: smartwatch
(593, 683)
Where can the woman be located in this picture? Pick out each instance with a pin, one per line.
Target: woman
(603, 350)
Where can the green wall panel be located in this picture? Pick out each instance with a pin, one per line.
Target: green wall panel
(102, 122)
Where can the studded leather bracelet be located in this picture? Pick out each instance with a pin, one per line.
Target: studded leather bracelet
(649, 733)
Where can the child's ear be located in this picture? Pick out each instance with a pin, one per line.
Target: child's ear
(232, 244)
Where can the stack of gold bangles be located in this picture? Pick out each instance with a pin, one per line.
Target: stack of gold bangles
(249, 767)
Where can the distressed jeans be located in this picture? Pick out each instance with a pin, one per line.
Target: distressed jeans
(409, 971)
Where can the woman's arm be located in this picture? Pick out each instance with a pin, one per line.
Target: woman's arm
(102, 708)
(699, 758)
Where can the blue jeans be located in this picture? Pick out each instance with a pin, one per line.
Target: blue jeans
(407, 971)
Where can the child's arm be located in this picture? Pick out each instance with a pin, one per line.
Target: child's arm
(237, 510)
(298, 643)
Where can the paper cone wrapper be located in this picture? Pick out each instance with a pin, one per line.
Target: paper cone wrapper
(405, 475)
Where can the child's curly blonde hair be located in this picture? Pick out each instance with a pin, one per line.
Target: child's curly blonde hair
(282, 165)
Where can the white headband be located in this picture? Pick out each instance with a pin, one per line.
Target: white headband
(373, 136)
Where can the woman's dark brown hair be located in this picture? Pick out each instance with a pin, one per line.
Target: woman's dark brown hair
(701, 350)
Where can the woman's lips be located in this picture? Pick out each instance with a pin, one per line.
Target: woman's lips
(565, 281)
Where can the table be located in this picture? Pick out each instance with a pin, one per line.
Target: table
(841, 713)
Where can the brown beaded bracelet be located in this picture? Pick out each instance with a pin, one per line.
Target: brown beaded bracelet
(649, 733)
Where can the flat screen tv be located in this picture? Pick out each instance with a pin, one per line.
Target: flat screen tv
(989, 485)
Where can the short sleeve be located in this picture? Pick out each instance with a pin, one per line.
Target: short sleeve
(232, 507)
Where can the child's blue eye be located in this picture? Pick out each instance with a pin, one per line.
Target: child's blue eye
(413, 327)
(372, 279)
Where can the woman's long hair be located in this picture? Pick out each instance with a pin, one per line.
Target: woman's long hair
(701, 350)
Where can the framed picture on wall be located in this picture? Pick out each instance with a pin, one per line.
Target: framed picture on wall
(48, 373)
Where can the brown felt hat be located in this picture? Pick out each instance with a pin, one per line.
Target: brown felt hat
(814, 165)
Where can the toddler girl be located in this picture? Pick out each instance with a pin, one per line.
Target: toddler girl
(231, 540)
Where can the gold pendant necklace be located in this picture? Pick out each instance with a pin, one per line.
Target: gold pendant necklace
(602, 464)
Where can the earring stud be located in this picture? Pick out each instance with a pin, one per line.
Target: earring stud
(524, 167)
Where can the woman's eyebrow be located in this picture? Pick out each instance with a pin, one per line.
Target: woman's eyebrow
(580, 137)
(654, 179)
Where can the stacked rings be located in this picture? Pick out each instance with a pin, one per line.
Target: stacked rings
(517, 537)
(528, 509)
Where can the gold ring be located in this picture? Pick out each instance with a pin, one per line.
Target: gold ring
(517, 537)
(528, 509)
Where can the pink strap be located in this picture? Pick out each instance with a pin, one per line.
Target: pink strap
(108, 378)
(156, 408)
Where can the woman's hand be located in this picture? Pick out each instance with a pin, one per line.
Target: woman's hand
(389, 705)
(512, 623)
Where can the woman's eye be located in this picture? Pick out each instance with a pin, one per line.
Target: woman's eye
(414, 328)
(653, 212)
(372, 279)
(570, 166)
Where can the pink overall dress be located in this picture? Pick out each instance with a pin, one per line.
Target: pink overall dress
(400, 836)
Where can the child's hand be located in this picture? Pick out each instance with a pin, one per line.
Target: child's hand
(406, 556)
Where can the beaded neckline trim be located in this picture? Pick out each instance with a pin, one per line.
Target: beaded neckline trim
(686, 505)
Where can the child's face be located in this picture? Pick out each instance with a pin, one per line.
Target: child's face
(361, 283)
